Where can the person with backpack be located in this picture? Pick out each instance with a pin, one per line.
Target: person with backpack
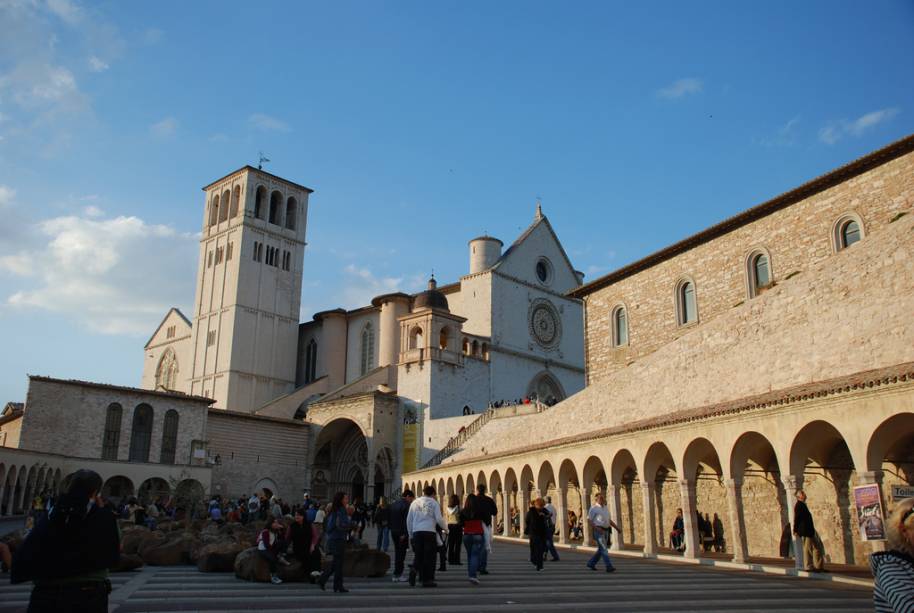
(270, 547)
(551, 523)
(336, 527)
(68, 555)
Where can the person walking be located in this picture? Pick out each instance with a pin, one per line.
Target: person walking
(454, 530)
(473, 535)
(487, 511)
(381, 518)
(336, 526)
(804, 527)
(893, 569)
(68, 554)
(536, 524)
(600, 523)
(421, 522)
(398, 533)
(550, 529)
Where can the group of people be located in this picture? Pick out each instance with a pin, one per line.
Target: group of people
(710, 532)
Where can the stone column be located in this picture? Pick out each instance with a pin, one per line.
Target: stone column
(867, 478)
(791, 484)
(687, 496)
(647, 496)
(561, 515)
(506, 512)
(585, 508)
(615, 513)
(737, 521)
(524, 496)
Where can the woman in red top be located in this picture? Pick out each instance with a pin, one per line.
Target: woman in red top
(473, 537)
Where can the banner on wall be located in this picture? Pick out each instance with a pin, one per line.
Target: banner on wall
(410, 447)
(868, 501)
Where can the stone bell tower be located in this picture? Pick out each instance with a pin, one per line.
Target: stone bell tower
(249, 279)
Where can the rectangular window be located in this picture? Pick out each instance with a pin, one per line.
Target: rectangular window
(210, 338)
(228, 253)
(170, 332)
(209, 260)
(219, 255)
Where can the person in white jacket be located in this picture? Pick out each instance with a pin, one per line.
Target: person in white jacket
(422, 522)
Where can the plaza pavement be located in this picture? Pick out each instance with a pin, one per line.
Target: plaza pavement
(638, 586)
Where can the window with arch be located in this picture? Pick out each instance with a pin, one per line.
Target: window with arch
(112, 437)
(141, 433)
(169, 437)
(167, 371)
(485, 351)
(686, 303)
(275, 207)
(443, 338)
(758, 272)
(224, 211)
(474, 348)
(260, 202)
(465, 346)
(367, 355)
(236, 200)
(415, 338)
(847, 231)
(311, 361)
(291, 210)
(214, 210)
(620, 326)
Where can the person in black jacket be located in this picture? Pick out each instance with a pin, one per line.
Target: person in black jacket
(398, 533)
(68, 555)
(300, 535)
(536, 526)
(803, 526)
(486, 510)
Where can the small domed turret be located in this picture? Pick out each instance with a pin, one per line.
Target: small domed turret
(431, 298)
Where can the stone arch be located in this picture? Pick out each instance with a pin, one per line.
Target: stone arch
(759, 488)
(118, 488)
(571, 499)
(481, 480)
(236, 199)
(152, 489)
(527, 488)
(441, 492)
(214, 210)
(40, 482)
(7, 486)
(29, 494)
(546, 481)
(594, 481)
(459, 487)
(471, 484)
(510, 486)
(415, 337)
(498, 495)
(661, 475)
(704, 473)
(260, 202)
(275, 208)
(224, 209)
(444, 338)
(624, 475)
(822, 465)
(546, 388)
(342, 446)
(291, 212)
(167, 371)
(890, 454)
(449, 487)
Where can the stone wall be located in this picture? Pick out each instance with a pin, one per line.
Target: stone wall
(797, 238)
(254, 450)
(10, 432)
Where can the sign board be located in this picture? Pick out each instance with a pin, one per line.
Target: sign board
(410, 447)
(901, 492)
(868, 501)
(199, 454)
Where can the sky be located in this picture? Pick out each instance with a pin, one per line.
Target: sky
(419, 125)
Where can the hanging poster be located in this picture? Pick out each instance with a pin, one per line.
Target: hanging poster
(869, 512)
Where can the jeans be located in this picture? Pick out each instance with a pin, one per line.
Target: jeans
(401, 544)
(454, 539)
(91, 597)
(475, 545)
(425, 547)
(484, 555)
(271, 559)
(337, 549)
(537, 550)
(383, 538)
(602, 552)
(549, 546)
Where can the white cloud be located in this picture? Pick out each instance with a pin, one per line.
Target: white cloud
(266, 122)
(101, 271)
(93, 211)
(785, 136)
(66, 10)
(165, 128)
(97, 65)
(680, 88)
(834, 131)
(360, 285)
(6, 195)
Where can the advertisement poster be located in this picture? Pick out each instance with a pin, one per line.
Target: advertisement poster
(869, 512)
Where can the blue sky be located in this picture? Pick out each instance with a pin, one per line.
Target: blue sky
(418, 124)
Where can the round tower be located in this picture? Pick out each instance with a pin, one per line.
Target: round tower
(484, 252)
(393, 306)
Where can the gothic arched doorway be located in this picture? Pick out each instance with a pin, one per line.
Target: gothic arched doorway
(341, 461)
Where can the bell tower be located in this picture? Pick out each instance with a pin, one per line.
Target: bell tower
(248, 292)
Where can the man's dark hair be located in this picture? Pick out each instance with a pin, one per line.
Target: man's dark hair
(429, 490)
(408, 494)
(481, 489)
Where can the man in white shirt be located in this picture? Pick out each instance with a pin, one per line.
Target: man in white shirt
(423, 518)
(600, 524)
(550, 530)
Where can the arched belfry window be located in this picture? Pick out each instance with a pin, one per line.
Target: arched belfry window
(310, 361)
(415, 338)
(686, 302)
(443, 338)
(367, 356)
(141, 433)
(260, 202)
(112, 437)
(224, 211)
(214, 210)
(275, 207)
(620, 326)
(167, 371)
(169, 437)
(847, 231)
(291, 210)
(758, 272)
(236, 199)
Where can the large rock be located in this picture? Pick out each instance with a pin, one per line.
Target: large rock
(362, 561)
(251, 567)
(133, 539)
(294, 572)
(177, 550)
(127, 562)
(150, 541)
(218, 557)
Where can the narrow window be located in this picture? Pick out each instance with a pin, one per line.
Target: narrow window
(169, 437)
(224, 211)
(236, 199)
(209, 260)
(620, 327)
(760, 271)
(141, 433)
(687, 308)
(112, 436)
(291, 210)
(260, 203)
(850, 233)
(228, 252)
(443, 339)
(275, 207)
(367, 349)
(310, 361)
(210, 338)
(214, 211)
